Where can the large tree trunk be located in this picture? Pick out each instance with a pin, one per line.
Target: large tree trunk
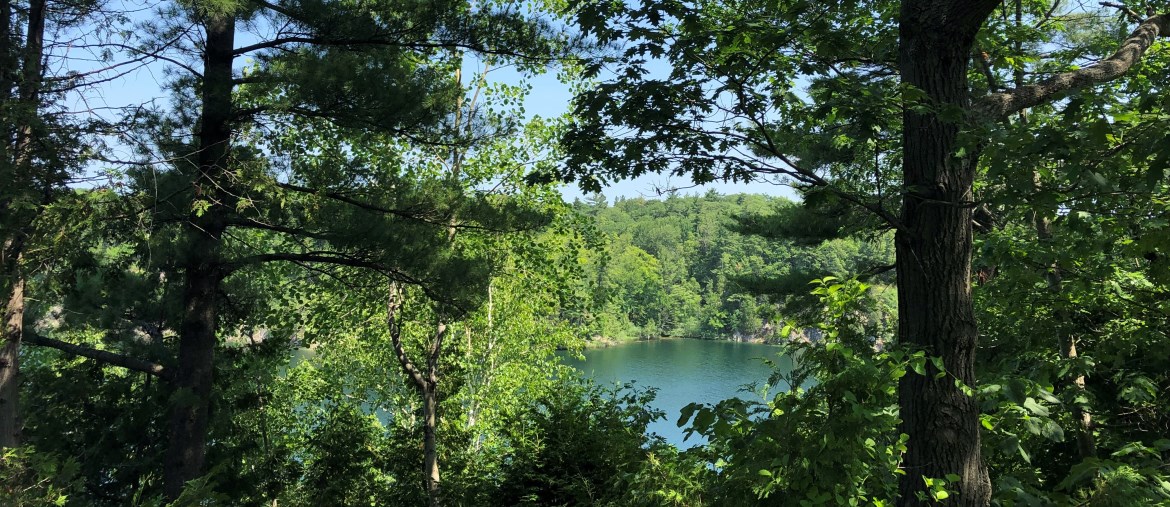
(936, 311)
(192, 400)
(29, 89)
(934, 246)
(203, 270)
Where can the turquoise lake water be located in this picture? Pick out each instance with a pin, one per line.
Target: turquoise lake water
(684, 371)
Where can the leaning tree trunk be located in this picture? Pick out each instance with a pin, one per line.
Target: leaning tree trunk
(203, 270)
(936, 310)
(427, 385)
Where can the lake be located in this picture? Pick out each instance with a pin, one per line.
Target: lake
(684, 371)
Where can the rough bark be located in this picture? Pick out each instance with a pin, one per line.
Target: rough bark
(12, 285)
(10, 422)
(9, 279)
(934, 247)
(30, 74)
(202, 269)
(936, 309)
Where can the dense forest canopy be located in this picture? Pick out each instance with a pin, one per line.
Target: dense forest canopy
(337, 267)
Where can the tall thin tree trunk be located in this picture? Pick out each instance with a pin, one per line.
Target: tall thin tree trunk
(22, 181)
(429, 389)
(10, 280)
(29, 89)
(203, 270)
(430, 394)
(936, 310)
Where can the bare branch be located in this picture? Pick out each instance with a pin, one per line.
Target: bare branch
(104, 356)
(251, 223)
(321, 257)
(1048, 15)
(1133, 15)
(338, 196)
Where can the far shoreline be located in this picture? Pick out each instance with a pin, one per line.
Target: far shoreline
(601, 342)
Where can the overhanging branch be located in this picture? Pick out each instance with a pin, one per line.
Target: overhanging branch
(418, 214)
(999, 105)
(340, 197)
(105, 356)
(317, 257)
(1130, 13)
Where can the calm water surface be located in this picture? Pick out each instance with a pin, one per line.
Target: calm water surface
(684, 371)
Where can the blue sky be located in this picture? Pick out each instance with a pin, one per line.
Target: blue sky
(549, 98)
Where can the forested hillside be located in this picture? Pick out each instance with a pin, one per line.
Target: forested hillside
(704, 267)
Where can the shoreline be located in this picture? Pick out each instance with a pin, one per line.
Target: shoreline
(602, 342)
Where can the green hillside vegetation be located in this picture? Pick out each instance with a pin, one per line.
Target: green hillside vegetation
(711, 267)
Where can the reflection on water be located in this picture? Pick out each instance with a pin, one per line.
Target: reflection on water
(684, 371)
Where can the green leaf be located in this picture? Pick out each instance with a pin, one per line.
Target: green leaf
(703, 419)
(1052, 431)
(919, 367)
(687, 412)
(938, 365)
(1034, 407)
